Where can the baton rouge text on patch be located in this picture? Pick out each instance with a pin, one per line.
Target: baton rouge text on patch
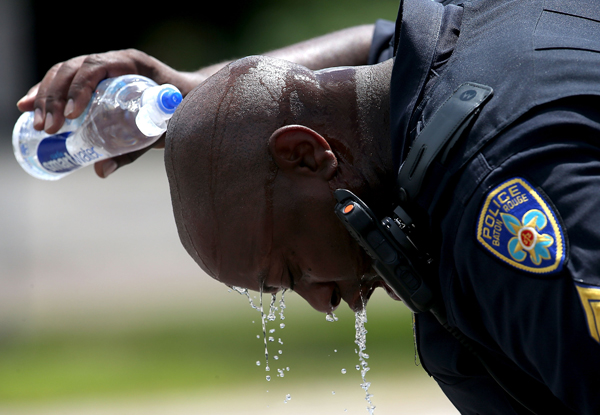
(503, 201)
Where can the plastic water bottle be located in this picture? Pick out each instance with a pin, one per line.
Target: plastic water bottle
(125, 114)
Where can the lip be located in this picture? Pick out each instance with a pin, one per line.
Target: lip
(364, 294)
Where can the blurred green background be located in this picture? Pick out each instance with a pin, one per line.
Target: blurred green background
(101, 309)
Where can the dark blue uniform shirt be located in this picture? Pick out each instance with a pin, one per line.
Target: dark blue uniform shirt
(520, 251)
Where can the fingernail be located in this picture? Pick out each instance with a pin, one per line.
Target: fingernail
(69, 108)
(37, 117)
(109, 167)
(49, 121)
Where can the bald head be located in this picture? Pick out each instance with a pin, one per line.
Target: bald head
(222, 154)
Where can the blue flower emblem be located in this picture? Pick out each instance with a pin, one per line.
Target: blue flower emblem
(527, 239)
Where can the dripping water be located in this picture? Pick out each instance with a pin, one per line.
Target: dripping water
(244, 291)
(361, 342)
(265, 318)
(264, 330)
(331, 317)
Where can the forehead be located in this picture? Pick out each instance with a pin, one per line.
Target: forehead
(243, 246)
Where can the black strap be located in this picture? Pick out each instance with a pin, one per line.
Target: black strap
(441, 132)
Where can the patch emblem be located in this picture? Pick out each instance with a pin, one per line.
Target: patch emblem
(590, 299)
(519, 227)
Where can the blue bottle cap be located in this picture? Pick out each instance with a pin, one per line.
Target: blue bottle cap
(169, 99)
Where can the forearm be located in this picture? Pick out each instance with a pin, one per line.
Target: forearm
(347, 47)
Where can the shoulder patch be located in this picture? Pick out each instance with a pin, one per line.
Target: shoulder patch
(520, 228)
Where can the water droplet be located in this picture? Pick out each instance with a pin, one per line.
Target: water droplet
(282, 325)
(282, 305)
(334, 350)
(331, 317)
(279, 341)
(357, 367)
(243, 291)
(276, 357)
(287, 368)
(267, 369)
(272, 331)
(268, 378)
(258, 363)
(333, 392)
(343, 371)
(271, 339)
(272, 308)
(279, 351)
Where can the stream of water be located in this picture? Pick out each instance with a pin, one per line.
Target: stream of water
(360, 339)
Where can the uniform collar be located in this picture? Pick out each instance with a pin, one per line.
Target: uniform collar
(417, 32)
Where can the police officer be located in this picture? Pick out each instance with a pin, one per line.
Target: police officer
(508, 209)
(512, 209)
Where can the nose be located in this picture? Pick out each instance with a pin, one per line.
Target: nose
(323, 297)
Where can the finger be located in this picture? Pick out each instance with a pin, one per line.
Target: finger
(93, 69)
(39, 101)
(83, 84)
(54, 90)
(104, 168)
(160, 143)
(51, 96)
(26, 103)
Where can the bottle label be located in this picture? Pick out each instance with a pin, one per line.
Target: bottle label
(53, 154)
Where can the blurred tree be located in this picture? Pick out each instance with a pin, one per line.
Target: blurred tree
(189, 34)
(67, 28)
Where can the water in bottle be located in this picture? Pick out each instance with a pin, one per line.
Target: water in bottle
(125, 114)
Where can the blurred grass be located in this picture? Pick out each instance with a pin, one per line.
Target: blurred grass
(206, 351)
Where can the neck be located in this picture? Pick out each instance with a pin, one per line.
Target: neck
(362, 142)
(373, 98)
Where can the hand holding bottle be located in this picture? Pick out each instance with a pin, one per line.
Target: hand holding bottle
(67, 88)
(125, 114)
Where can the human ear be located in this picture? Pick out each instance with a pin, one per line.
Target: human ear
(301, 150)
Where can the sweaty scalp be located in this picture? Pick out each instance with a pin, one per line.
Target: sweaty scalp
(216, 152)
